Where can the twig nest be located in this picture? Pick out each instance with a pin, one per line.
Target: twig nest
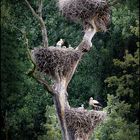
(56, 62)
(83, 122)
(86, 11)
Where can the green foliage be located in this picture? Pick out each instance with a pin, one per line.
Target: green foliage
(116, 127)
(23, 101)
(123, 106)
(52, 127)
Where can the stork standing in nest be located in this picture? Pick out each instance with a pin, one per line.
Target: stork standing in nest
(95, 104)
(60, 43)
(82, 107)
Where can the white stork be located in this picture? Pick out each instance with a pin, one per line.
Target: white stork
(59, 43)
(82, 107)
(96, 105)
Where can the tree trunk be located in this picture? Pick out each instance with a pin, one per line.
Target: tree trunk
(61, 117)
(60, 102)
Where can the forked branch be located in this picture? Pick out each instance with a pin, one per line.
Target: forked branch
(40, 19)
(40, 8)
(32, 72)
(45, 83)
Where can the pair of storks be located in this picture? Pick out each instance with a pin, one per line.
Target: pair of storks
(94, 103)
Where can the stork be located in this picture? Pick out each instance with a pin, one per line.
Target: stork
(96, 105)
(82, 107)
(59, 43)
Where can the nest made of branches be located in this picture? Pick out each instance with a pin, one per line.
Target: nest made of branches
(55, 61)
(83, 122)
(87, 10)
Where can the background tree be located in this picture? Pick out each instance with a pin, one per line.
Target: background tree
(123, 106)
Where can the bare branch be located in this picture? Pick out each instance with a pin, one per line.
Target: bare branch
(89, 34)
(42, 24)
(86, 43)
(31, 72)
(40, 8)
(45, 83)
(26, 43)
(83, 47)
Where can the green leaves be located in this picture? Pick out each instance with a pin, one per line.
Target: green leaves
(51, 126)
(116, 127)
(122, 105)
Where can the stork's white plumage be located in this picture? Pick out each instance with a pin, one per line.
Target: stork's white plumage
(70, 47)
(60, 43)
(64, 47)
(82, 107)
(96, 105)
(95, 102)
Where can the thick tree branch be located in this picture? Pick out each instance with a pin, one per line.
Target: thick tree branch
(83, 47)
(42, 24)
(86, 43)
(40, 8)
(45, 83)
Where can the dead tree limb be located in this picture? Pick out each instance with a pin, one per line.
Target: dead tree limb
(45, 83)
(40, 8)
(42, 24)
(32, 71)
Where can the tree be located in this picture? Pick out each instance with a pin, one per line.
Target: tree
(59, 65)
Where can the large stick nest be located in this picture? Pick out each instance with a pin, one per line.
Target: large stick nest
(83, 122)
(56, 62)
(86, 10)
